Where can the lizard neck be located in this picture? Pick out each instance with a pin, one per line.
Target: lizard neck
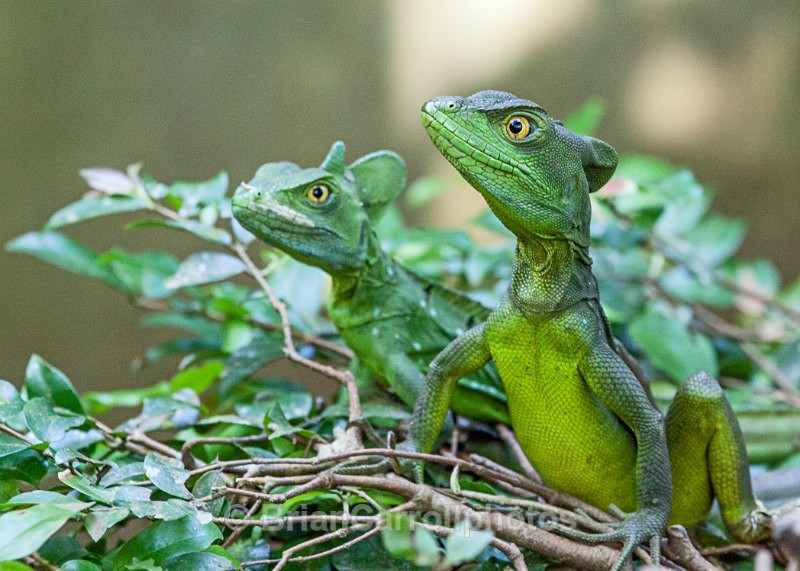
(550, 275)
(378, 269)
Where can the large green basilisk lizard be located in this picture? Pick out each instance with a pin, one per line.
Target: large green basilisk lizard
(580, 414)
(394, 320)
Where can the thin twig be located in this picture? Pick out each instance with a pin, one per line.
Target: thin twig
(508, 549)
(364, 496)
(157, 305)
(139, 436)
(39, 563)
(342, 547)
(345, 377)
(723, 328)
(290, 350)
(732, 548)
(186, 450)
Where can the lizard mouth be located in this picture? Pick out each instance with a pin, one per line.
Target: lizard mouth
(269, 206)
(456, 147)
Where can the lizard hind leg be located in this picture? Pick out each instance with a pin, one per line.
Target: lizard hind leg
(708, 458)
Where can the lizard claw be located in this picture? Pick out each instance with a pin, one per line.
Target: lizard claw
(633, 530)
(408, 464)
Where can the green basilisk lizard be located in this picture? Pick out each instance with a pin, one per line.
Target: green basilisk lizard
(581, 415)
(394, 320)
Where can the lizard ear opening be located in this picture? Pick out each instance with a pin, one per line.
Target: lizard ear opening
(334, 162)
(379, 177)
(599, 162)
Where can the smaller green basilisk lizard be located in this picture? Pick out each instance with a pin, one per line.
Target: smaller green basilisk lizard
(394, 320)
(581, 415)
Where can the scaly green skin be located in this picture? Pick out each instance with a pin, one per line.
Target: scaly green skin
(394, 321)
(579, 412)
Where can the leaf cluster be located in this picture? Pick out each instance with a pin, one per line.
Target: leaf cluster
(150, 492)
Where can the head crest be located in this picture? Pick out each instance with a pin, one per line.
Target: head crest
(334, 162)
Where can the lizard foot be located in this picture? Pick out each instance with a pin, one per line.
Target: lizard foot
(408, 464)
(754, 527)
(636, 527)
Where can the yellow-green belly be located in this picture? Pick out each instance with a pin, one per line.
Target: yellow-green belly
(575, 443)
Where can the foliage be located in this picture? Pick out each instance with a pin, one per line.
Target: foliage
(167, 488)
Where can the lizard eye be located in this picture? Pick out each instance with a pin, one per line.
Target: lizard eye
(318, 194)
(518, 127)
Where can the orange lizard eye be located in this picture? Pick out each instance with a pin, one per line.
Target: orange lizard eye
(318, 194)
(518, 127)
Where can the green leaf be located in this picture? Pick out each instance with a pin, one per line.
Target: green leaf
(167, 474)
(8, 489)
(714, 240)
(465, 544)
(79, 565)
(143, 273)
(96, 493)
(203, 487)
(48, 423)
(684, 285)
(98, 521)
(370, 410)
(192, 196)
(57, 249)
(246, 360)
(93, 207)
(198, 326)
(14, 566)
(686, 201)
(276, 415)
(205, 267)
(644, 169)
(404, 539)
(585, 119)
(396, 535)
(201, 561)
(143, 565)
(204, 231)
(178, 410)
(670, 346)
(47, 497)
(164, 540)
(10, 403)
(11, 445)
(27, 465)
(100, 402)
(123, 473)
(197, 378)
(238, 334)
(425, 189)
(25, 530)
(171, 510)
(110, 181)
(369, 554)
(44, 380)
(60, 549)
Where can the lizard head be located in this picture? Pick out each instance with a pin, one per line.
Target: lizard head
(321, 216)
(535, 174)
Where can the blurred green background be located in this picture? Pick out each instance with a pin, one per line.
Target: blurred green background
(191, 88)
